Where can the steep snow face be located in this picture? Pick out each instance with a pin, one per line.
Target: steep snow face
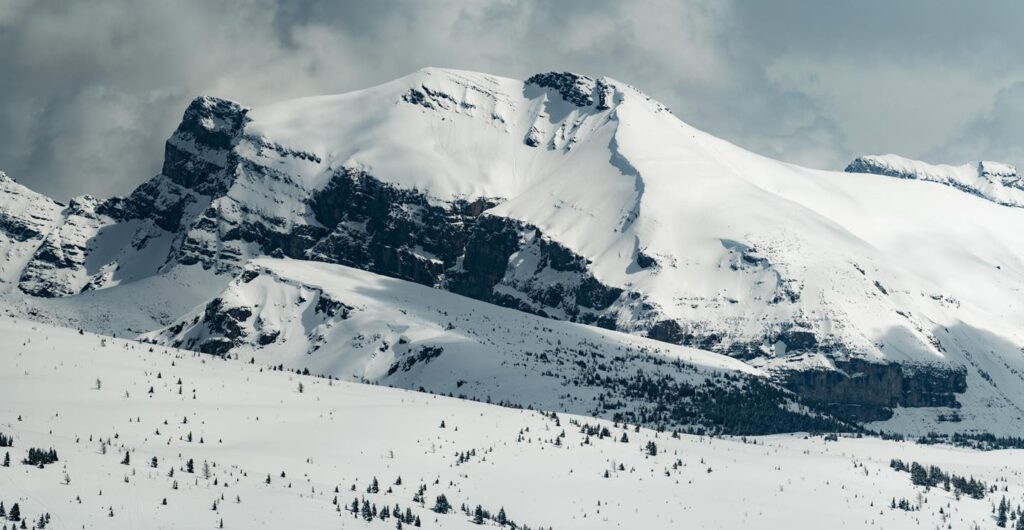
(25, 219)
(355, 325)
(995, 181)
(265, 454)
(87, 250)
(54, 250)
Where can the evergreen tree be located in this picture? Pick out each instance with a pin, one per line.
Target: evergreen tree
(127, 458)
(1001, 513)
(918, 475)
(478, 515)
(15, 513)
(502, 518)
(441, 505)
(7, 459)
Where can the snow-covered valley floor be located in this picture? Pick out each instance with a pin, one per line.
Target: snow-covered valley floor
(266, 455)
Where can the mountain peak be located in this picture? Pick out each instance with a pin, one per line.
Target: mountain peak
(198, 149)
(212, 121)
(580, 90)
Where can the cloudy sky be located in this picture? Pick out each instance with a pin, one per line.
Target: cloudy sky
(89, 91)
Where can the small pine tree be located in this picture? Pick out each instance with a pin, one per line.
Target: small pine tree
(441, 505)
(7, 459)
(15, 513)
(127, 458)
(478, 515)
(502, 518)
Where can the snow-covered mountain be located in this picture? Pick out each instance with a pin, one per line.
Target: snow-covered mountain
(875, 299)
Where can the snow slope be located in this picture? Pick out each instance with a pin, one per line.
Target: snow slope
(248, 423)
(354, 325)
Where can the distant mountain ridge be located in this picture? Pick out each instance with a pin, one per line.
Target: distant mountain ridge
(995, 181)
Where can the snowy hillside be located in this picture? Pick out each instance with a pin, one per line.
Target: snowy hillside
(354, 325)
(154, 437)
(874, 299)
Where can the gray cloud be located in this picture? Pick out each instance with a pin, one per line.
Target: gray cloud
(997, 134)
(90, 90)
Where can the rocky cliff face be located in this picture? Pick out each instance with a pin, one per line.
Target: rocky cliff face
(864, 391)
